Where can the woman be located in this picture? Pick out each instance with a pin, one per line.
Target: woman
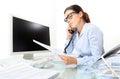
(86, 43)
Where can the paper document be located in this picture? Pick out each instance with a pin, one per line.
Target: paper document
(25, 71)
(53, 50)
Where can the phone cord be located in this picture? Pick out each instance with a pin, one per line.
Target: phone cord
(68, 44)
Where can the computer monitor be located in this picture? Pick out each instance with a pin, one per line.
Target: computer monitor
(23, 33)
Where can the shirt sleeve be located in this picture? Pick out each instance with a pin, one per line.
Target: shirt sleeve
(87, 60)
(95, 38)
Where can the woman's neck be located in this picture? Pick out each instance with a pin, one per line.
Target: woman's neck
(80, 27)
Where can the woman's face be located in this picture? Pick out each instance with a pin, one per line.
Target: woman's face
(72, 18)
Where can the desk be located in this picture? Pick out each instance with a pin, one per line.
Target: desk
(79, 72)
(68, 72)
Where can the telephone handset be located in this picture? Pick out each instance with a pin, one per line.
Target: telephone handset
(72, 31)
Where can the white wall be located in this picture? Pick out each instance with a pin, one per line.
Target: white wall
(38, 11)
(104, 13)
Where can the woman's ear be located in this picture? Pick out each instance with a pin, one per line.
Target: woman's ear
(81, 14)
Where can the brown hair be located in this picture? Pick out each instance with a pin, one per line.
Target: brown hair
(77, 9)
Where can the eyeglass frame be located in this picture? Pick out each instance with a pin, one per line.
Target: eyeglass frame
(69, 16)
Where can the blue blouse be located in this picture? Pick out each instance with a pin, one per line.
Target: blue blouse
(89, 45)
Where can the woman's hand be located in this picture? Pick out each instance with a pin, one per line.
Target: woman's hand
(69, 35)
(68, 59)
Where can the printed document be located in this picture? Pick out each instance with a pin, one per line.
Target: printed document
(53, 50)
(56, 51)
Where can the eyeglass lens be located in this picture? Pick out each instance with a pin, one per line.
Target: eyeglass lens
(69, 16)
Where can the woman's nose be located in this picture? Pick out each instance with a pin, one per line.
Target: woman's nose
(68, 21)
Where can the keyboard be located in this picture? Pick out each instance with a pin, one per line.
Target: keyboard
(25, 71)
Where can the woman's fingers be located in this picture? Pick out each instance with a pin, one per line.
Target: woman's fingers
(63, 57)
(68, 59)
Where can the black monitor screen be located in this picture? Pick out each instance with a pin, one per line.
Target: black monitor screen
(25, 31)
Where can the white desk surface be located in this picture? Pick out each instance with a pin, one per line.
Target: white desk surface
(66, 72)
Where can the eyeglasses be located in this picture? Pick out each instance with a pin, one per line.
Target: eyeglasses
(69, 16)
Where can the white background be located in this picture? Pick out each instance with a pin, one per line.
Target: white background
(103, 13)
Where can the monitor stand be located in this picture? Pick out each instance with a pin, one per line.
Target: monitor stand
(28, 56)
